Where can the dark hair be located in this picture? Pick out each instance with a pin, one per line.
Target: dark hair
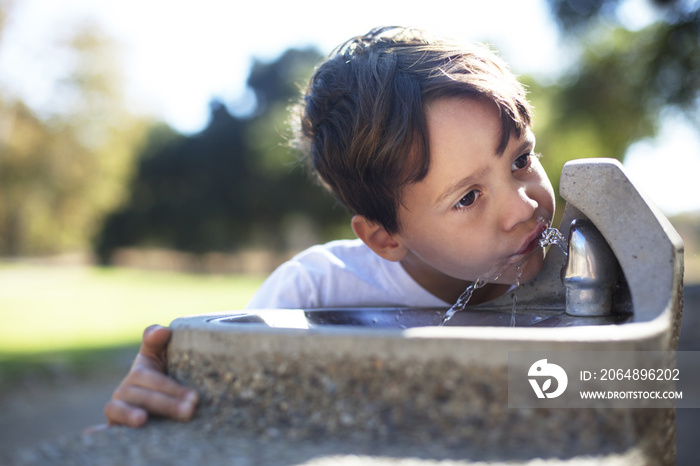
(363, 126)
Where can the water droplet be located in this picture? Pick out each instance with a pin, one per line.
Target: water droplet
(554, 236)
(463, 300)
(516, 284)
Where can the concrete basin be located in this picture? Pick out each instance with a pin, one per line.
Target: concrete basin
(393, 377)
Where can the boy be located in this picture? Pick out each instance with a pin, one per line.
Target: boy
(428, 144)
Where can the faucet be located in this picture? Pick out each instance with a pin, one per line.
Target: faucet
(590, 274)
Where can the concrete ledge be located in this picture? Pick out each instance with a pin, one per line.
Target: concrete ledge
(395, 388)
(201, 442)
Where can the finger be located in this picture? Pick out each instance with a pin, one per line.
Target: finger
(155, 342)
(159, 403)
(120, 413)
(146, 378)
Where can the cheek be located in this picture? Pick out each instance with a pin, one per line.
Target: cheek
(546, 196)
(455, 257)
(550, 191)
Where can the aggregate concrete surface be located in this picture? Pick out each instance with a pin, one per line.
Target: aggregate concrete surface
(38, 428)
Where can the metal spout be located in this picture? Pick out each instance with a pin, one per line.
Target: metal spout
(590, 274)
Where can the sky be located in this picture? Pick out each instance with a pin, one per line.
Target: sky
(178, 55)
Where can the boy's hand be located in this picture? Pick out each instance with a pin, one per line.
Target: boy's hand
(147, 390)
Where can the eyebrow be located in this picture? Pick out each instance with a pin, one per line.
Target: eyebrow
(463, 183)
(460, 185)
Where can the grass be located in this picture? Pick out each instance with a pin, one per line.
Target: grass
(50, 309)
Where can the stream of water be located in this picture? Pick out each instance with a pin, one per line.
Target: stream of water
(549, 236)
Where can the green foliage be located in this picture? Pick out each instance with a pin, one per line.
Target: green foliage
(614, 94)
(657, 65)
(234, 185)
(61, 173)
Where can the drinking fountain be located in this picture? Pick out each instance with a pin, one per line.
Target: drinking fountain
(591, 272)
(381, 377)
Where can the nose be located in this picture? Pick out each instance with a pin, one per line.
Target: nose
(518, 206)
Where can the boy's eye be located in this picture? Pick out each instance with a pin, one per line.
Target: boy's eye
(521, 162)
(468, 199)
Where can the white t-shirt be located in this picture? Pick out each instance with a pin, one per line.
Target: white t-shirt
(343, 273)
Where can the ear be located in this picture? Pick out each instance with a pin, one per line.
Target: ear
(378, 239)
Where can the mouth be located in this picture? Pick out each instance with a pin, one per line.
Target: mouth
(531, 243)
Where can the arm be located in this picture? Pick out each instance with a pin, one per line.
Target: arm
(147, 390)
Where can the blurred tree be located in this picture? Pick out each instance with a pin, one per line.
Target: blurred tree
(663, 57)
(233, 185)
(187, 192)
(620, 83)
(61, 172)
(290, 199)
(23, 165)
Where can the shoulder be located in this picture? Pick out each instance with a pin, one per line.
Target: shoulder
(342, 273)
(312, 277)
(334, 253)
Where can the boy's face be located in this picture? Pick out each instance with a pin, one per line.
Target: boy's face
(476, 210)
